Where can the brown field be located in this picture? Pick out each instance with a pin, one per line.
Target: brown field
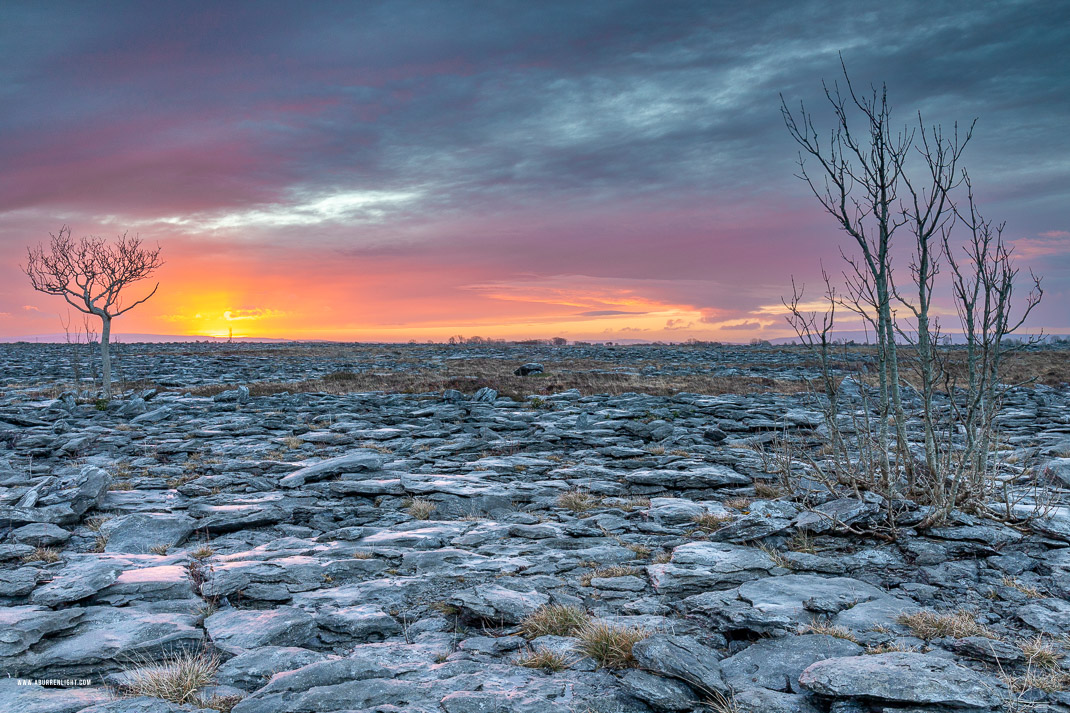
(589, 376)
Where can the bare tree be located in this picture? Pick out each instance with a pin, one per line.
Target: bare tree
(92, 275)
(880, 183)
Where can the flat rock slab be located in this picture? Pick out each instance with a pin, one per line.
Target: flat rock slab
(19, 698)
(252, 669)
(777, 604)
(701, 566)
(104, 637)
(22, 627)
(494, 603)
(683, 658)
(903, 678)
(237, 630)
(776, 664)
(1047, 615)
(708, 476)
(78, 580)
(141, 532)
(356, 462)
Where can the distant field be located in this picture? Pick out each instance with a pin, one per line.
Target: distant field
(207, 368)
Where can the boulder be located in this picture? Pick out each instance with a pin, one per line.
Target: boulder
(902, 678)
(356, 462)
(140, 533)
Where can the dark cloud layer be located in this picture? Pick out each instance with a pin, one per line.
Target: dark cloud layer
(615, 139)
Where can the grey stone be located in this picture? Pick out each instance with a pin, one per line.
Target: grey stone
(237, 630)
(1046, 615)
(528, 369)
(139, 533)
(78, 580)
(23, 626)
(356, 462)
(104, 637)
(761, 700)
(902, 678)
(18, 697)
(683, 658)
(663, 694)
(40, 534)
(253, 668)
(498, 604)
(701, 566)
(485, 395)
(835, 514)
(776, 664)
(359, 623)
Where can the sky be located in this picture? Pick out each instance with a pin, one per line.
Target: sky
(391, 171)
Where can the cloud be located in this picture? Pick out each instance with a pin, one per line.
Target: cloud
(674, 324)
(240, 315)
(350, 207)
(1053, 242)
(605, 313)
(30, 308)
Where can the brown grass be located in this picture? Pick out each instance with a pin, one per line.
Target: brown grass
(47, 555)
(420, 509)
(545, 659)
(175, 678)
(610, 645)
(554, 620)
(824, 627)
(577, 501)
(590, 376)
(609, 573)
(709, 521)
(927, 624)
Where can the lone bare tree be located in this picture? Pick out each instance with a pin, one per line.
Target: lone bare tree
(92, 274)
(881, 182)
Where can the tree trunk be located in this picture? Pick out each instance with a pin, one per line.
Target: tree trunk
(105, 355)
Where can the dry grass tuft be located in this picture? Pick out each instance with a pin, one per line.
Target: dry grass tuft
(824, 627)
(1047, 680)
(767, 491)
(176, 678)
(889, 648)
(96, 522)
(1039, 653)
(545, 659)
(223, 704)
(1031, 592)
(641, 551)
(709, 521)
(444, 608)
(576, 501)
(802, 542)
(554, 620)
(608, 573)
(927, 624)
(363, 555)
(159, 549)
(610, 645)
(720, 703)
(421, 509)
(202, 552)
(48, 555)
(778, 559)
